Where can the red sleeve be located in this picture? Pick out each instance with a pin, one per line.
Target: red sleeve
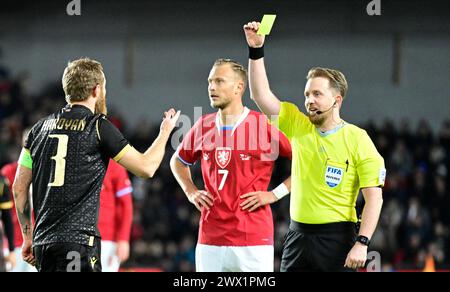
(285, 146)
(190, 149)
(124, 218)
(124, 203)
(9, 171)
(121, 182)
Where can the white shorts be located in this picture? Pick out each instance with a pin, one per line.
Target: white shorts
(211, 258)
(109, 259)
(21, 265)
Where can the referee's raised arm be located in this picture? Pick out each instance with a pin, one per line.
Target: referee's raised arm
(260, 91)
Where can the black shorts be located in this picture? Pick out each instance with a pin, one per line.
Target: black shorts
(68, 257)
(318, 247)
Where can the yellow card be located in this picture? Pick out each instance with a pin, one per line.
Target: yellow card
(266, 24)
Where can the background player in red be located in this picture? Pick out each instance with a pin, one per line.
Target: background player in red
(9, 172)
(237, 148)
(116, 215)
(6, 225)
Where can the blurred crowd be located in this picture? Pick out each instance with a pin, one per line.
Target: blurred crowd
(415, 219)
(414, 224)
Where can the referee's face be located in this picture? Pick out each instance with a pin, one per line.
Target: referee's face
(223, 86)
(319, 97)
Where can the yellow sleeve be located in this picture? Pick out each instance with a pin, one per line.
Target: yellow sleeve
(6, 205)
(289, 120)
(122, 153)
(369, 164)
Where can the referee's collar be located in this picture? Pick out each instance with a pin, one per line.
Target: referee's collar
(332, 131)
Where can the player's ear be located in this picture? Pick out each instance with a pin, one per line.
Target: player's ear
(240, 87)
(96, 91)
(339, 99)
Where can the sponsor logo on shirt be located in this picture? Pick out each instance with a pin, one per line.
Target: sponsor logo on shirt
(333, 176)
(205, 156)
(245, 157)
(93, 261)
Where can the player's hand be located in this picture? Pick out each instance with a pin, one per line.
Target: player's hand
(169, 121)
(254, 200)
(123, 250)
(27, 252)
(254, 40)
(11, 259)
(357, 256)
(201, 199)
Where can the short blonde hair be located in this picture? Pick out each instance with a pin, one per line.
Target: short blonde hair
(336, 78)
(238, 68)
(80, 77)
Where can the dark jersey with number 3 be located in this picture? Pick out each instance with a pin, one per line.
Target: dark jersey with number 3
(70, 150)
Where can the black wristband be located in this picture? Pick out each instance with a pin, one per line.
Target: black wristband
(255, 53)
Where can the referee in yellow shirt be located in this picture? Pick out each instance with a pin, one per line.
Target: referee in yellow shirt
(331, 161)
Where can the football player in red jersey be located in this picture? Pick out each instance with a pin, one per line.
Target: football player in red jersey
(9, 172)
(237, 148)
(116, 214)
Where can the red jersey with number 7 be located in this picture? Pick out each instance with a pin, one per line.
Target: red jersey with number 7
(234, 161)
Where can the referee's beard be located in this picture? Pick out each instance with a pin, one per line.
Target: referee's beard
(317, 120)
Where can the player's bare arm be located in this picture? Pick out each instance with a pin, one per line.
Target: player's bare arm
(145, 165)
(254, 200)
(371, 213)
(21, 187)
(260, 90)
(199, 198)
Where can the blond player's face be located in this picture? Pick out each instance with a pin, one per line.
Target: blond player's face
(318, 97)
(222, 86)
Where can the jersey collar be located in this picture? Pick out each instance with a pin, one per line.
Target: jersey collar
(239, 121)
(332, 131)
(70, 106)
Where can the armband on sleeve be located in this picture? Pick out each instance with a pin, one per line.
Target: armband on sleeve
(25, 159)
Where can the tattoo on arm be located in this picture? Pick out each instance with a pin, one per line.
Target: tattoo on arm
(25, 217)
(23, 203)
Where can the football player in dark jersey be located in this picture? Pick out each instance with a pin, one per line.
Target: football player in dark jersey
(65, 157)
